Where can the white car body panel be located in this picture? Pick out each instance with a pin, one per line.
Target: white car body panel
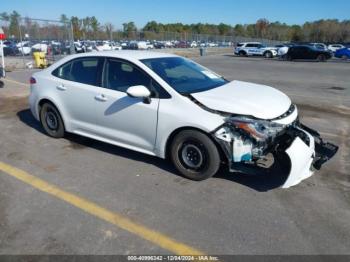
(335, 47)
(24, 48)
(116, 118)
(40, 47)
(120, 117)
(245, 98)
(283, 51)
(301, 157)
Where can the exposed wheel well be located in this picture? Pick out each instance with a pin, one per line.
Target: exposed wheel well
(45, 100)
(175, 132)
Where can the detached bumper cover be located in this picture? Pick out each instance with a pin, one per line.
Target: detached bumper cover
(306, 155)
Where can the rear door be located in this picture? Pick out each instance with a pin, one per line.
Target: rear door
(77, 85)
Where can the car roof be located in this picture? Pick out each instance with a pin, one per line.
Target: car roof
(250, 43)
(127, 54)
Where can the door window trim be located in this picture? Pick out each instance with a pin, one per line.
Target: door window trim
(99, 70)
(161, 93)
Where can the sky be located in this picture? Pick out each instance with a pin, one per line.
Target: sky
(186, 11)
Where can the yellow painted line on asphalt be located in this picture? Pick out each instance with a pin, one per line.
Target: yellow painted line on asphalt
(15, 82)
(114, 218)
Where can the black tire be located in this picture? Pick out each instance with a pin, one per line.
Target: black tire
(288, 58)
(321, 58)
(242, 53)
(51, 121)
(268, 54)
(195, 155)
(344, 57)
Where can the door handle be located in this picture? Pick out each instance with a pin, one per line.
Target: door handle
(101, 98)
(61, 87)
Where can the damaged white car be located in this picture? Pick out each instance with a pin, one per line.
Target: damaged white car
(171, 107)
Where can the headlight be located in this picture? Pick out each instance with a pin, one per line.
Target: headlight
(258, 129)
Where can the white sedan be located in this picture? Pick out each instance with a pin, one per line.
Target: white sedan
(335, 47)
(168, 106)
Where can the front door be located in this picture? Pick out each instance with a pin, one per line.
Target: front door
(129, 121)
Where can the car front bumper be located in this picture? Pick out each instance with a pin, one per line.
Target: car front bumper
(300, 151)
(307, 156)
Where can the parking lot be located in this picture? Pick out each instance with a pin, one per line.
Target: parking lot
(79, 196)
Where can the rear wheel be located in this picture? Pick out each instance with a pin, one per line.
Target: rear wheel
(51, 120)
(344, 57)
(242, 53)
(195, 155)
(288, 58)
(321, 58)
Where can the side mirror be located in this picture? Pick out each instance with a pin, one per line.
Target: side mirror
(139, 92)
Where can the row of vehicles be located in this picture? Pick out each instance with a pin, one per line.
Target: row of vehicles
(294, 51)
(13, 48)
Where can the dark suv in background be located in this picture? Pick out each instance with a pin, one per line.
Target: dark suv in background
(307, 53)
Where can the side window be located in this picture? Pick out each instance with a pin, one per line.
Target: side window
(63, 71)
(252, 45)
(82, 70)
(121, 75)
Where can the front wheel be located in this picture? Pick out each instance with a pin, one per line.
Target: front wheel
(242, 53)
(268, 55)
(321, 58)
(195, 155)
(51, 120)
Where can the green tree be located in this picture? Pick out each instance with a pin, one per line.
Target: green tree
(224, 29)
(129, 29)
(76, 24)
(14, 19)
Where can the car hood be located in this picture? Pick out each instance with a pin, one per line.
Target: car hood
(245, 98)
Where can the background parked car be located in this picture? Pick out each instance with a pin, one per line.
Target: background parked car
(24, 47)
(182, 44)
(10, 48)
(255, 49)
(335, 47)
(39, 47)
(307, 53)
(194, 44)
(159, 45)
(343, 53)
(103, 46)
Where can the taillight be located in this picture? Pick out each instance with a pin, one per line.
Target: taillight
(32, 81)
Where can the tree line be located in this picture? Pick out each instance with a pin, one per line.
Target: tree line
(325, 30)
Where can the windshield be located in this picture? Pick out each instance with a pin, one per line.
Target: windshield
(183, 75)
